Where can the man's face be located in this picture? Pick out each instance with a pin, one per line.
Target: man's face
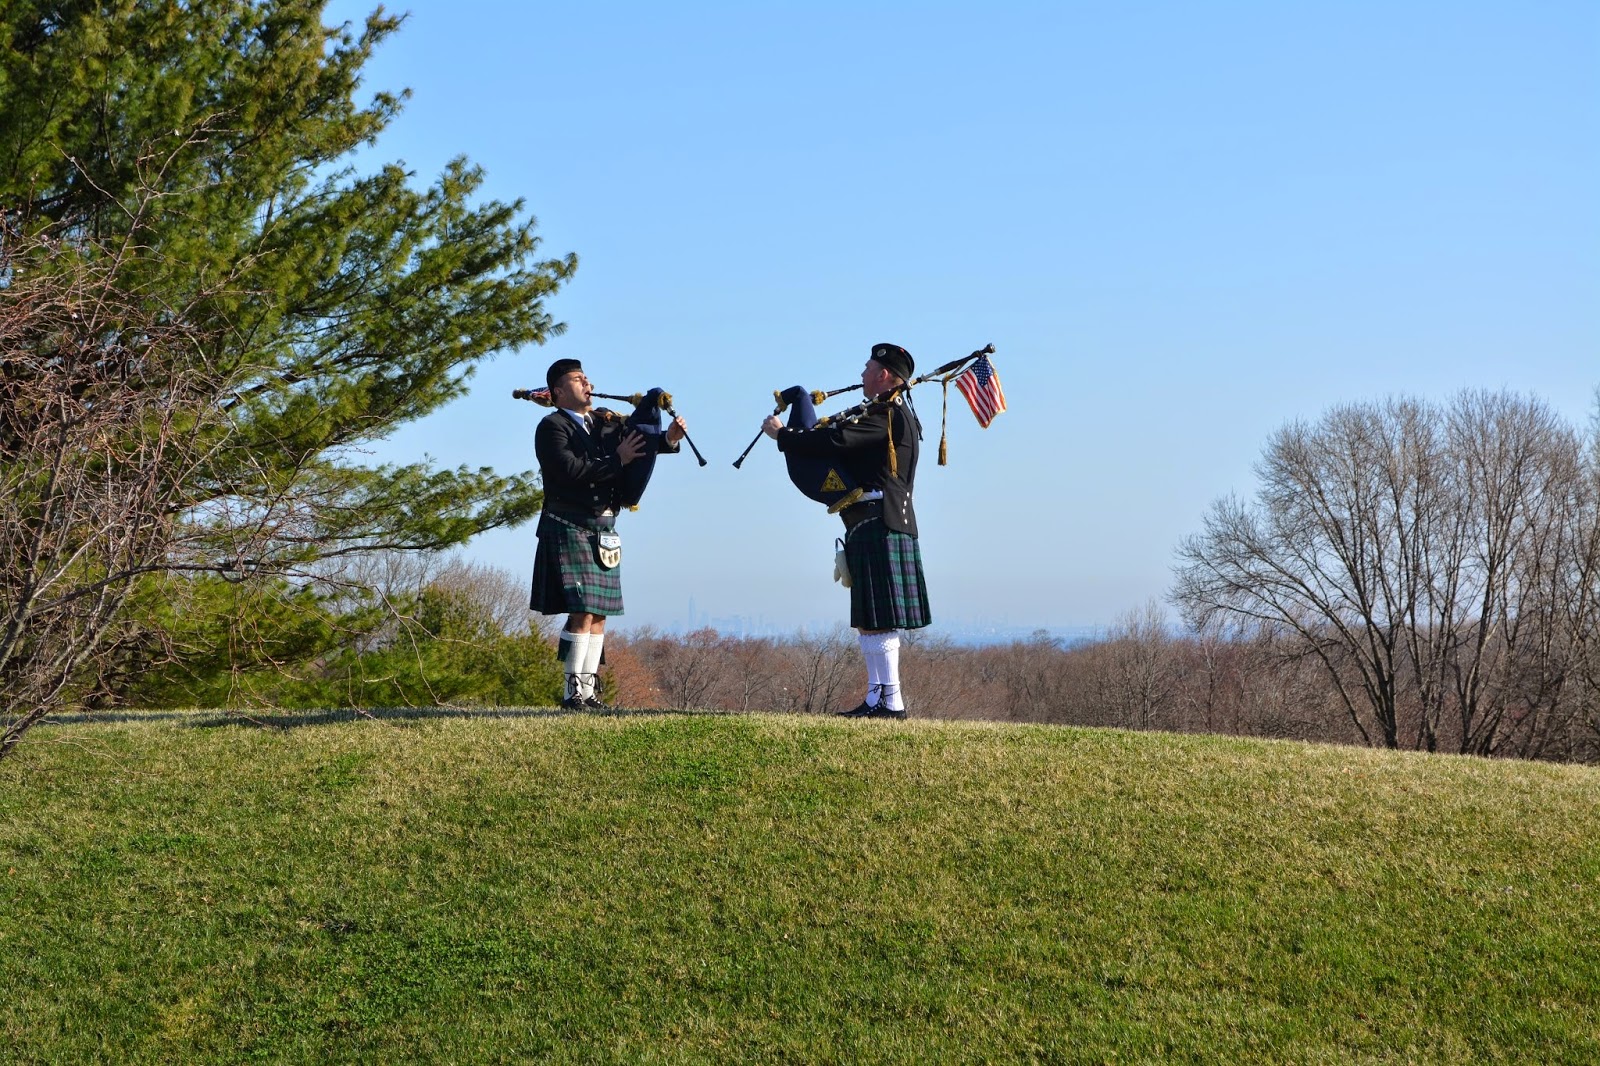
(875, 380)
(572, 391)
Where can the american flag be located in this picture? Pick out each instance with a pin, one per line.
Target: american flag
(981, 386)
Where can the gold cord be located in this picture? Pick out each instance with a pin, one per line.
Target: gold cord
(894, 463)
(944, 452)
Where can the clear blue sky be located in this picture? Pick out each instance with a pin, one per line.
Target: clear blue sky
(1182, 225)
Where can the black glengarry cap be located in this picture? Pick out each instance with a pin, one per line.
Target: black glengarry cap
(895, 359)
(560, 369)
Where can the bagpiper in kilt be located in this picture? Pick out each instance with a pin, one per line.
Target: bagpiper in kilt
(577, 568)
(878, 448)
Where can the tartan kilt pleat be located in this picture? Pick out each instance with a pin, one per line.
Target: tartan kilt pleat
(566, 576)
(887, 589)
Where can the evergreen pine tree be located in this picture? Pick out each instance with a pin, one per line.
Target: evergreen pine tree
(188, 171)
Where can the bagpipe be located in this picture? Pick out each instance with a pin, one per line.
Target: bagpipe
(645, 418)
(825, 481)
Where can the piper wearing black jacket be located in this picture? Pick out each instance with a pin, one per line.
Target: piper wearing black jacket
(879, 448)
(583, 461)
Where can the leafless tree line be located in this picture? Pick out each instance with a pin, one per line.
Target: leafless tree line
(1439, 563)
(1144, 674)
(809, 673)
(1141, 676)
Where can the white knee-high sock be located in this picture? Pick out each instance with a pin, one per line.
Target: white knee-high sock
(874, 658)
(882, 652)
(890, 650)
(590, 673)
(577, 649)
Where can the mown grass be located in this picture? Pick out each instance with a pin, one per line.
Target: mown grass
(764, 889)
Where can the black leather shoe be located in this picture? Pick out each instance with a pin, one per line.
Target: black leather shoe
(881, 711)
(574, 703)
(595, 703)
(861, 711)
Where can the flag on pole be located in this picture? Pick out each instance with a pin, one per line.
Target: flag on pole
(981, 386)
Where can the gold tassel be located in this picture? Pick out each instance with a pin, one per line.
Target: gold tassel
(944, 452)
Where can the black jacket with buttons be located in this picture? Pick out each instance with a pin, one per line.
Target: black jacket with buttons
(580, 471)
(861, 445)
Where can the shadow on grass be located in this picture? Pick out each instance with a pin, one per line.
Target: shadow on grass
(299, 719)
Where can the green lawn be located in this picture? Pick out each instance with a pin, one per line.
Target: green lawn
(705, 888)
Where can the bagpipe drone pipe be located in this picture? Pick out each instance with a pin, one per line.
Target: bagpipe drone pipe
(645, 418)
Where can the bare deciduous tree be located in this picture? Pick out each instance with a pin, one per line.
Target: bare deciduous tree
(942, 681)
(752, 666)
(688, 670)
(1423, 556)
(1139, 686)
(108, 413)
(819, 671)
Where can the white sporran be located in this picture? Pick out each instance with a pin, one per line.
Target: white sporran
(841, 565)
(608, 550)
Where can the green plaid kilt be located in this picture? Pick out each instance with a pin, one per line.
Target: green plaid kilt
(566, 576)
(887, 590)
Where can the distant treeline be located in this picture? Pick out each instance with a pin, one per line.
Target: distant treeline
(407, 631)
(1141, 676)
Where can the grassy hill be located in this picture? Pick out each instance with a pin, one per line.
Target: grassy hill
(658, 888)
